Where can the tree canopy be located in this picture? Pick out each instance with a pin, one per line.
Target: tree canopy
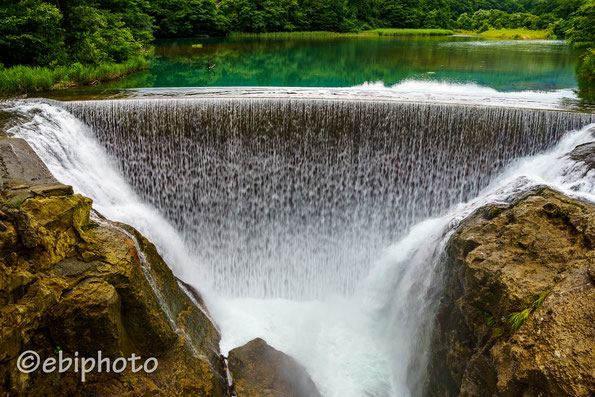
(44, 32)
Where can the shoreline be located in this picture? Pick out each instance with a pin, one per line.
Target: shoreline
(22, 80)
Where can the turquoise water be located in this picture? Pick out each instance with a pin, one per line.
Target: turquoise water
(461, 69)
(352, 61)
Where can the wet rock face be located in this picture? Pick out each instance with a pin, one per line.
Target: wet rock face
(585, 153)
(518, 313)
(73, 283)
(23, 174)
(258, 370)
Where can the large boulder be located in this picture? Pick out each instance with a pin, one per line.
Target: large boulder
(74, 283)
(518, 313)
(258, 370)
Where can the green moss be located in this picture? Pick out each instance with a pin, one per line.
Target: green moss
(491, 322)
(480, 385)
(494, 212)
(15, 202)
(555, 211)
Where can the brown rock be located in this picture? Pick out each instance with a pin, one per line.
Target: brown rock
(531, 262)
(259, 370)
(83, 285)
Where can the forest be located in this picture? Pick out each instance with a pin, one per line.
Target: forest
(74, 36)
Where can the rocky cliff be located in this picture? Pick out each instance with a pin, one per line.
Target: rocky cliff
(518, 313)
(73, 283)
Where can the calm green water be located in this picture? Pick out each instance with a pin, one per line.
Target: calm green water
(537, 74)
(352, 61)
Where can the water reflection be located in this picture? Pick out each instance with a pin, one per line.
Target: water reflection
(349, 61)
(358, 63)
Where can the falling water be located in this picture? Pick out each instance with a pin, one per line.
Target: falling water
(253, 199)
(295, 199)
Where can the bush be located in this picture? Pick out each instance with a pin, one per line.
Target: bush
(484, 27)
(586, 68)
(582, 31)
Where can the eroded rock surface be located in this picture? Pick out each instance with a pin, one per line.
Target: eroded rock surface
(73, 282)
(518, 315)
(258, 370)
(585, 153)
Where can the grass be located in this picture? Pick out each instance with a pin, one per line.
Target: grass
(511, 34)
(23, 79)
(518, 318)
(373, 32)
(410, 32)
(288, 35)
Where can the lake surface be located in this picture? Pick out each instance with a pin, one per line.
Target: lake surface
(386, 66)
(352, 61)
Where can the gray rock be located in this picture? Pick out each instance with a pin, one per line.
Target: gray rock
(24, 175)
(585, 153)
(260, 370)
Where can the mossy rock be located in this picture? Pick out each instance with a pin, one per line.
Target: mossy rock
(525, 270)
(83, 287)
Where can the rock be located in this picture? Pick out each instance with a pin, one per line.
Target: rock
(8, 119)
(258, 370)
(72, 283)
(24, 175)
(518, 313)
(22, 225)
(585, 153)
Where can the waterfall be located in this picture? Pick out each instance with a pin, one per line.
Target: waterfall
(294, 199)
(316, 225)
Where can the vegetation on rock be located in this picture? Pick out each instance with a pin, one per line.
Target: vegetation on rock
(72, 283)
(516, 318)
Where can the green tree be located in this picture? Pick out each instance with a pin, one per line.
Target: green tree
(582, 31)
(186, 18)
(582, 34)
(464, 22)
(31, 33)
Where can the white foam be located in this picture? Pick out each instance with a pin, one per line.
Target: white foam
(411, 90)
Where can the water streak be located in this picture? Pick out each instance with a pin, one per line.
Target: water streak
(294, 199)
